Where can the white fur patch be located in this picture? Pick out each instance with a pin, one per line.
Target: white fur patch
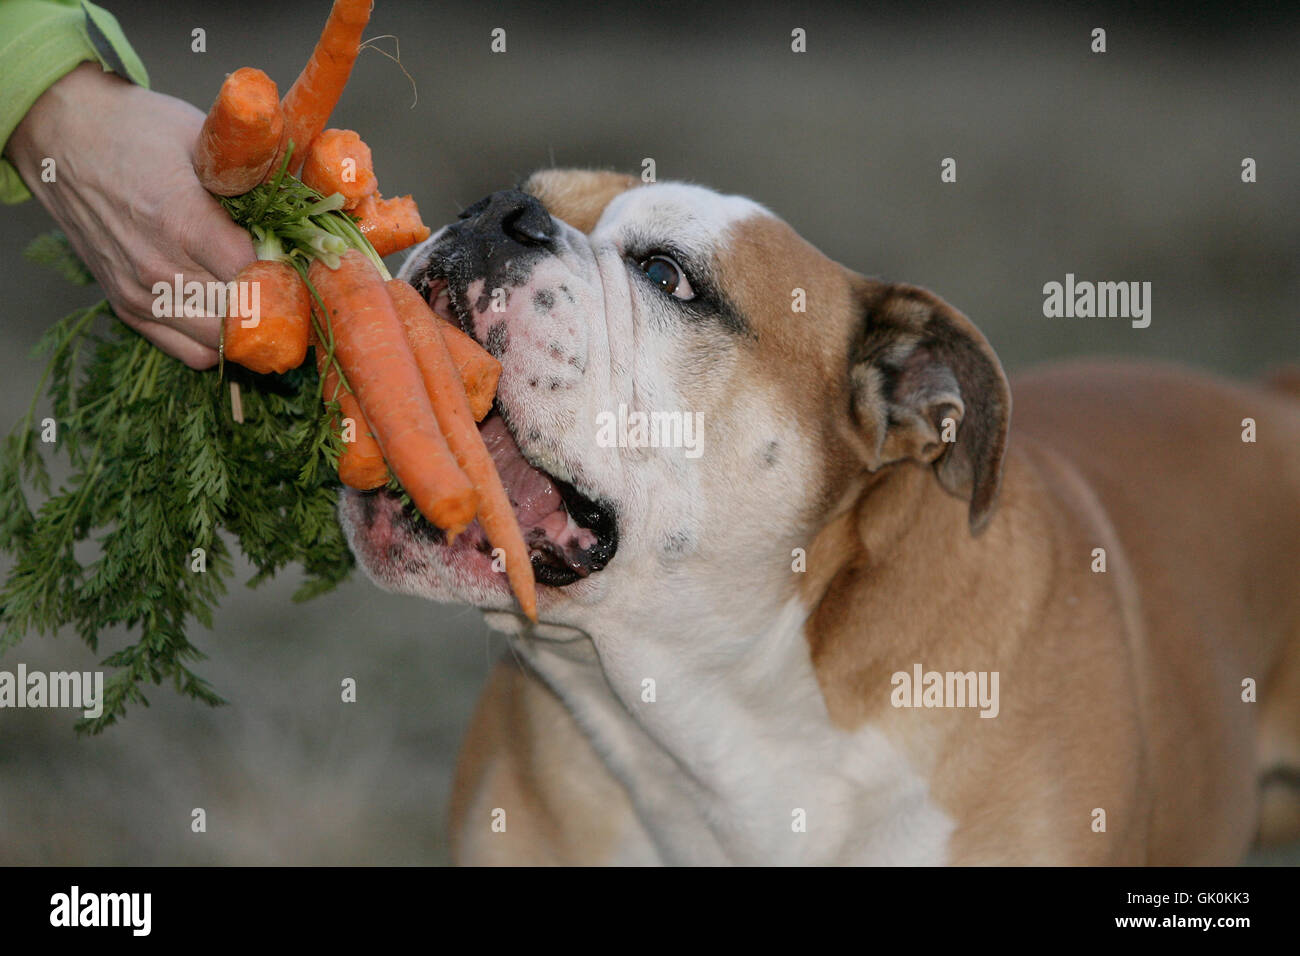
(696, 218)
(738, 751)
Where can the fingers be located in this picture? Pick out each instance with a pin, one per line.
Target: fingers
(193, 309)
(175, 343)
(204, 330)
(220, 249)
(225, 248)
(208, 250)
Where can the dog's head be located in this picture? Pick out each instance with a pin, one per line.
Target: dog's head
(688, 392)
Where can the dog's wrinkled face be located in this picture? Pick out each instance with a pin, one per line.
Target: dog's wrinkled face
(675, 386)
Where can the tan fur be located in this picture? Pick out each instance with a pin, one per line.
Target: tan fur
(1119, 691)
(525, 756)
(578, 196)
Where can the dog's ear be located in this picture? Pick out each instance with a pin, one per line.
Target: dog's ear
(920, 376)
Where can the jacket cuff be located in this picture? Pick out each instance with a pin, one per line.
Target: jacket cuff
(43, 41)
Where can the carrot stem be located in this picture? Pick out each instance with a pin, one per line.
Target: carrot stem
(346, 229)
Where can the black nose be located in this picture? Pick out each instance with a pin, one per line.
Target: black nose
(513, 214)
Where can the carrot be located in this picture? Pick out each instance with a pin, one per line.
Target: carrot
(391, 225)
(339, 162)
(311, 99)
(361, 465)
(241, 134)
(442, 382)
(479, 371)
(370, 345)
(270, 333)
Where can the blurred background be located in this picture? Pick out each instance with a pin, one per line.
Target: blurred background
(1117, 166)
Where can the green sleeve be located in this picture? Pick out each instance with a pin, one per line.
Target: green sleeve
(40, 41)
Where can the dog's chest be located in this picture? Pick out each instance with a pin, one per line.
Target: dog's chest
(741, 764)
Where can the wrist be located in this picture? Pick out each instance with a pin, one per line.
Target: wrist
(77, 96)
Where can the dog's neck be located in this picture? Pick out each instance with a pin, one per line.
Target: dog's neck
(899, 576)
(722, 732)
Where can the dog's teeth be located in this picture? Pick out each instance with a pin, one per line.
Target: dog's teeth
(442, 305)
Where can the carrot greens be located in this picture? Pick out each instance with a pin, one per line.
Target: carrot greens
(163, 487)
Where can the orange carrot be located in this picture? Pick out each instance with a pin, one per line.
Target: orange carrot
(479, 371)
(361, 465)
(391, 225)
(339, 162)
(240, 137)
(442, 382)
(268, 318)
(370, 345)
(311, 99)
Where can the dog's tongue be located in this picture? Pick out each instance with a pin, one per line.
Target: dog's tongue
(537, 501)
(534, 496)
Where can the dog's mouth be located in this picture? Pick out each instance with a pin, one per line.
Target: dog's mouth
(569, 535)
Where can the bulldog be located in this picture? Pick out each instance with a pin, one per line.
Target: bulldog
(718, 672)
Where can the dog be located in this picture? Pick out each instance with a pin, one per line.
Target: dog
(719, 671)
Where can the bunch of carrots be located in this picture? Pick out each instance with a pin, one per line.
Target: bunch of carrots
(409, 385)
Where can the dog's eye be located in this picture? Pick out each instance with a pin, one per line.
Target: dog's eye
(668, 275)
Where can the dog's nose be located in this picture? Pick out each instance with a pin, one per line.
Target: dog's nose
(513, 214)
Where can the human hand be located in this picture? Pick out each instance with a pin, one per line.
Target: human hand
(126, 195)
